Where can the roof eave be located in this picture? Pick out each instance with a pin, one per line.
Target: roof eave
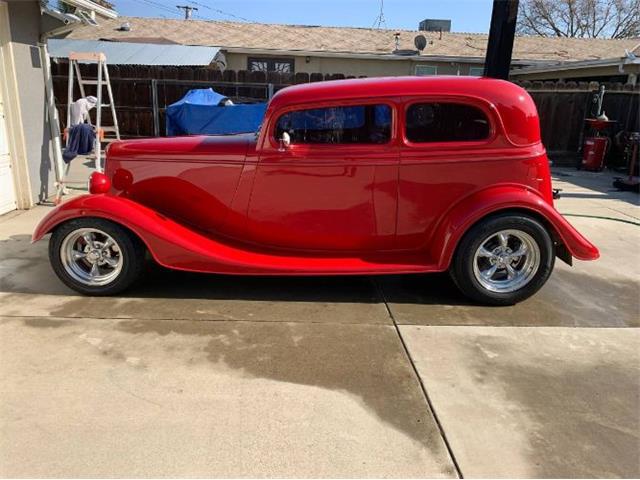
(368, 55)
(577, 65)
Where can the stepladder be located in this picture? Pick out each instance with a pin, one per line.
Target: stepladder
(104, 133)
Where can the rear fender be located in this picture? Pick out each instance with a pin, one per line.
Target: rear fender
(502, 198)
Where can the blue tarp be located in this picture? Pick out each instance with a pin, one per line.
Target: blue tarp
(200, 112)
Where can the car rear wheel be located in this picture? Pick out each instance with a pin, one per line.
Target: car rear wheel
(95, 256)
(503, 259)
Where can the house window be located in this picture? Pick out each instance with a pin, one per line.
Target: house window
(338, 125)
(268, 64)
(476, 71)
(423, 70)
(446, 122)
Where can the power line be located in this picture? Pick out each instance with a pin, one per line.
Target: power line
(170, 10)
(380, 21)
(222, 12)
(161, 6)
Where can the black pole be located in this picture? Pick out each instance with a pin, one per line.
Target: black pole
(501, 35)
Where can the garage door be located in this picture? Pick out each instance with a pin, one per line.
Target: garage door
(7, 189)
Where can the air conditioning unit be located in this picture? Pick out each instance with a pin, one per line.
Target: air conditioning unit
(435, 25)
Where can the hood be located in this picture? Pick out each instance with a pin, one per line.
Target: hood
(183, 149)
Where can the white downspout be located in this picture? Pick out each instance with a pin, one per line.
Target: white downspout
(54, 124)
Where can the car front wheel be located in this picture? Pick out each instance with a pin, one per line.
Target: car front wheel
(503, 259)
(95, 256)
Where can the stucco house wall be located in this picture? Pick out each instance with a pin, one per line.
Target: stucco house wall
(355, 66)
(25, 28)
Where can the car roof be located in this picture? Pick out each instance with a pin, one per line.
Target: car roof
(482, 87)
(516, 108)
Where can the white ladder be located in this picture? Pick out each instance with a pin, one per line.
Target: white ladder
(101, 82)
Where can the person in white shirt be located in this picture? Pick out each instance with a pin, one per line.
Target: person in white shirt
(80, 110)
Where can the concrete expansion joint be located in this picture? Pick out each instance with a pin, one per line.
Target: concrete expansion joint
(429, 403)
(183, 319)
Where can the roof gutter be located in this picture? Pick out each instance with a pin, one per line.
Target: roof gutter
(69, 22)
(366, 56)
(93, 7)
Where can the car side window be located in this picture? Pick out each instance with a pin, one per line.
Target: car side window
(446, 122)
(364, 124)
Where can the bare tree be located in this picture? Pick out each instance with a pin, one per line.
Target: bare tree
(580, 18)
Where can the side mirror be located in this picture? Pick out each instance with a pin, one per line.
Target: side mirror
(285, 141)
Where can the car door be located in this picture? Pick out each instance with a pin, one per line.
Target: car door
(334, 188)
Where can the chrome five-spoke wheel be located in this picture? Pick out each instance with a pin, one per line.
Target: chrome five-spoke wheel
(503, 259)
(95, 256)
(91, 256)
(506, 261)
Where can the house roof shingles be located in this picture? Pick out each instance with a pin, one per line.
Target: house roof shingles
(347, 39)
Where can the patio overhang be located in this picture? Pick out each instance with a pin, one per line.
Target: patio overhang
(129, 53)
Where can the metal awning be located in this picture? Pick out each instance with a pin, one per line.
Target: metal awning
(126, 53)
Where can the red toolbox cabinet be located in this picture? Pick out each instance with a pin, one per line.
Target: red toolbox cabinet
(593, 153)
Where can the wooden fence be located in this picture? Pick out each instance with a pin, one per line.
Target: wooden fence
(142, 94)
(563, 107)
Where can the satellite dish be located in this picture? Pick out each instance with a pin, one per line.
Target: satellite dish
(420, 42)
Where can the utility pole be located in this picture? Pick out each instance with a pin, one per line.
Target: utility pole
(187, 10)
(501, 35)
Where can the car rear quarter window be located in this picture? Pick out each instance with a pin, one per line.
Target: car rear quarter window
(358, 124)
(446, 122)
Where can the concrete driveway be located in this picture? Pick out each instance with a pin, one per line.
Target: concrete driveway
(194, 375)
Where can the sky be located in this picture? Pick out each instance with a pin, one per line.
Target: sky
(465, 15)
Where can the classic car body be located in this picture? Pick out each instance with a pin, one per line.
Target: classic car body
(381, 194)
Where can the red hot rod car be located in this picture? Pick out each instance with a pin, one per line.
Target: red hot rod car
(368, 176)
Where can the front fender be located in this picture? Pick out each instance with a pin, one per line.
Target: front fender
(170, 243)
(176, 246)
(118, 209)
(500, 198)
